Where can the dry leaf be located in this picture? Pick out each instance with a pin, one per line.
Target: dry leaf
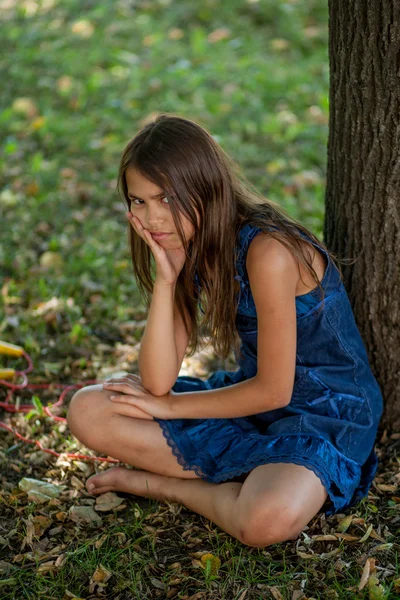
(348, 537)
(108, 501)
(211, 563)
(365, 574)
(382, 547)
(344, 524)
(101, 575)
(276, 593)
(40, 491)
(41, 524)
(376, 536)
(384, 487)
(157, 583)
(30, 532)
(375, 589)
(47, 567)
(70, 596)
(84, 514)
(98, 543)
(306, 556)
(366, 535)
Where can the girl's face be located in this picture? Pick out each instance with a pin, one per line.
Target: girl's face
(149, 203)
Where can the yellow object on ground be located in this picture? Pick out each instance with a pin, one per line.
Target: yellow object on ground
(9, 350)
(7, 373)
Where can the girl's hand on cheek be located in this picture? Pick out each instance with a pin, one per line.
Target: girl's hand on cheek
(169, 263)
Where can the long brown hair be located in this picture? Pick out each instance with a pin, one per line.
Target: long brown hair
(184, 160)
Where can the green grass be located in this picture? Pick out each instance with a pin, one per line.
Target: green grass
(81, 78)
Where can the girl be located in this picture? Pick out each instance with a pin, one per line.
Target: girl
(262, 449)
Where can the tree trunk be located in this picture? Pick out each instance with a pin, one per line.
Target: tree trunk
(362, 219)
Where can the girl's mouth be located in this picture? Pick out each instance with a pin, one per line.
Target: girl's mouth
(160, 236)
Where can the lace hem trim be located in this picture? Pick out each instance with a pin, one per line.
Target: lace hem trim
(342, 493)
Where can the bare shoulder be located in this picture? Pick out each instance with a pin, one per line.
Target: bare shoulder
(268, 258)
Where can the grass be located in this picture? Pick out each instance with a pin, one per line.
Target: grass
(81, 78)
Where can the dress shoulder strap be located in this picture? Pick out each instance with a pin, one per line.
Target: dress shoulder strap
(248, 232)
(245, 236)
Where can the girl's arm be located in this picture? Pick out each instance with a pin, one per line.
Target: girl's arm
(165, 339)
(273, 275)
(163, 344)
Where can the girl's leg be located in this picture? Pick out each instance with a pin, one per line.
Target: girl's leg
(137, 442)
(273, 505)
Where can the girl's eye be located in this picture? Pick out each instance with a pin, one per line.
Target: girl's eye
(140, 202)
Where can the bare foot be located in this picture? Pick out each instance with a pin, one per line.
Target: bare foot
(132, 481)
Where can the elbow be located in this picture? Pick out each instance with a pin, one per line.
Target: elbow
(161, 391)
(285, 401)
(157, 388)
(277, 398)
(282, 398)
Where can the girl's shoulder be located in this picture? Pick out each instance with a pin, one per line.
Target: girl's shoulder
(248, 232)
(245, 236)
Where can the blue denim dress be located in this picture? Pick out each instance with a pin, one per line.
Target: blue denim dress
(331, 423)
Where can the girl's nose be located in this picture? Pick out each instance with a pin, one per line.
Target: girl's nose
(155, 217)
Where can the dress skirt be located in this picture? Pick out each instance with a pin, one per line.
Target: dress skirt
(220, 450)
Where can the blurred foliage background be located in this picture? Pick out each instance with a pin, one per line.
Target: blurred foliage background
(79, 78)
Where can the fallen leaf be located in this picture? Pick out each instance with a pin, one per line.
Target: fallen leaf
(40, 491)
(375, 589)
(157, 583)
(384, 487)
(41, 523)
(344, 524)
(366, 534)
(108, 501)
(84, 514)
(276, 593)
(211, 563)
(382, 547)
(101, 574)
(348, 537)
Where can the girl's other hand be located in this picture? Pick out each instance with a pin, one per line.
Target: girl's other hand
(133, 381)
(169, 262)
(131, 397)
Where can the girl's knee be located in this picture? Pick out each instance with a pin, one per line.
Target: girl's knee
(267, 526)
(85, 412)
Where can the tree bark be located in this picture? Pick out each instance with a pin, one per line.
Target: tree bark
(362, 219)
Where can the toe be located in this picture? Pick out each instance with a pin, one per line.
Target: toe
(90, 486)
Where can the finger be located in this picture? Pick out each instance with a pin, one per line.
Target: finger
(124, 379)
(146, 236)
(127, 388)
(129, 410)
(137, 226)
(133, 383)
(119, 398)
(127, 399)
(135, 378)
